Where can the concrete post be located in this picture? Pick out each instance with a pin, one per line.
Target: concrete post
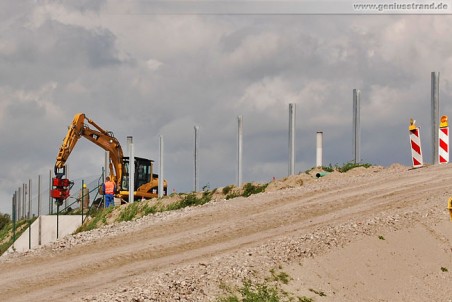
(50, 196)
(161, 177)
(24, 199)
(319, 150)
(19, 203)
(131, 170)
(196, 180)
(435, 116)
(239, 150)
(39, 195)
(30, 208)
(107, 165)
(356, 126)
(292, 113)
(14, 216)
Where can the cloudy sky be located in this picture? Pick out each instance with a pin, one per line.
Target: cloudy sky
(145, 74)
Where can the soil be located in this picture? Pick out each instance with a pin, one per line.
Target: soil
(371, 234)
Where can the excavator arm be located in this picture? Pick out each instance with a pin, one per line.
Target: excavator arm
(87, 128)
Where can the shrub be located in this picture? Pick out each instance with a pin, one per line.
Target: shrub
(250, 189)
(191, 200)
(227, 189)
(253, 293)
(5, 219)
(129, 212)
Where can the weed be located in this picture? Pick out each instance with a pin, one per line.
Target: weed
(444, 269)
(250, 189)
(129, 212)
(6, 233)
(190, 200)
(280, 277)
(227, 189)
(97, 215)
(351, 165)
(317, 292)
(149, 209)
(232, 195)
(250, 292)
(5, 219)
(329, 168)
(305, 299)
(381, 237)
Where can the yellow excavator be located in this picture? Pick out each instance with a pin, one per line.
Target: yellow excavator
(146, 182)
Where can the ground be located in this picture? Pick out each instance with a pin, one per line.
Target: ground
(371, 234)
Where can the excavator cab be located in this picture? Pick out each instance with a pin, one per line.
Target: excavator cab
(145, 181)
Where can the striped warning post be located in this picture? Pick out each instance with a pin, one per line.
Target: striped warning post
(416, 151)
(443, 149)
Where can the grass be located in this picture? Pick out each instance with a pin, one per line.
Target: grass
(341, 168)
(267, 291)
(318, 292)
(250, 292)
(129, 212)
(96, 216)
(248, 190)
(6, 233)
(280, 277)
(191, 200)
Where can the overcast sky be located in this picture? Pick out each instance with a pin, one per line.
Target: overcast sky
(148, 75)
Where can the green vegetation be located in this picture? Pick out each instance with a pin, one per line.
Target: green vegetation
(191, 200)
(444, 270)
(96, 216)
(305, 299)
(268, 291)
(351, 165)
(250, 189)
(139, 209)
(250, 292)
(227, 189)
(381, 237)
(6, 232)
(318, 292)
(5, 219)
(342, 169)
(280, 277)
(129, 212)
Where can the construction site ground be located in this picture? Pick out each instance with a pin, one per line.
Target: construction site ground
(371, 234)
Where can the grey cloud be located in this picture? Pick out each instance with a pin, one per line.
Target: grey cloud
(206, 71)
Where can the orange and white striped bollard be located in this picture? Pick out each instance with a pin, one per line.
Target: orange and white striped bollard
(443, 148)
(415, 140)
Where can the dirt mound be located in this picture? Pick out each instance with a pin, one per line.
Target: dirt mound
(375, 234)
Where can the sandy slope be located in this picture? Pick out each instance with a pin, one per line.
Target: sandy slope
(367, 235)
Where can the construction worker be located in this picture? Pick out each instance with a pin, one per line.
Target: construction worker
(109, 189)
(83, 196)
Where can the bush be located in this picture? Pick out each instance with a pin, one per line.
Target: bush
(5, 219)
(191, 200)
(227, 189)
(351, 165)
(250, 189)
(253, 293)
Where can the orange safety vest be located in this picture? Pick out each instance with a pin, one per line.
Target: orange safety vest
(109, 187)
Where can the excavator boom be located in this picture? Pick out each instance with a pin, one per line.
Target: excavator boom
(79, 127)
